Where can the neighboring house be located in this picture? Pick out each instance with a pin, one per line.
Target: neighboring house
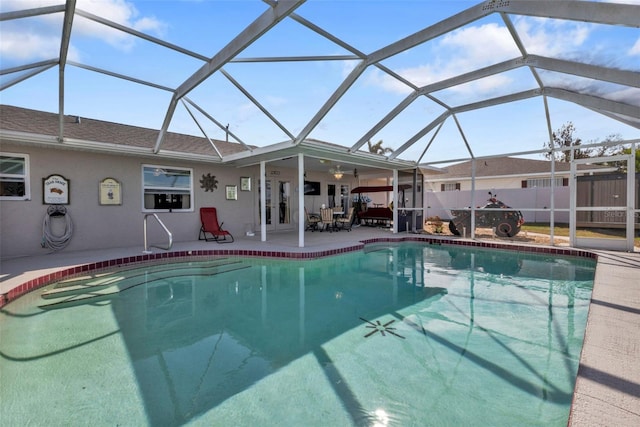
(523, 184)
(109, 176)
(504, 173)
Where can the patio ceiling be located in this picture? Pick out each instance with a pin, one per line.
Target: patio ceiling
(195, 89)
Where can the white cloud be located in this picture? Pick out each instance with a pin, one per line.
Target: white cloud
(487, 86)
(457, 53)
(30, 39)
(465, 50)
(377, 78)
(28, 47)
(346, 67)
(39, 37)
(28, 4)
(121, 12)
(478, 46)
(150, 25)
(629, 95)
(552, 38)
(635, 49)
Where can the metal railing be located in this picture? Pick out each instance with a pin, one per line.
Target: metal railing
(146, 246)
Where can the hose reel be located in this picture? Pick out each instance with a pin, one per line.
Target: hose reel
(49, 239)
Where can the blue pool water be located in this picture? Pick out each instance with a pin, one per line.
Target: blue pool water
(396, 335)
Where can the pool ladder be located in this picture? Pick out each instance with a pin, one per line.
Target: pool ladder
(166, 230)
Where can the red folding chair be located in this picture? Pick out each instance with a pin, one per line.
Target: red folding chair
(210, 226)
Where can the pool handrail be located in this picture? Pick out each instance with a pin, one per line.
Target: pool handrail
(146, 246)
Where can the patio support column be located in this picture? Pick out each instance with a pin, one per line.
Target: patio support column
(631, 195)
(395, 201)
(414, 194)
(263, 201)
(572, 201)
(552, 202)
(473, 198)
(301, 215)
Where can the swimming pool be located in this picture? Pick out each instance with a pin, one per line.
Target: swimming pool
(398, 334)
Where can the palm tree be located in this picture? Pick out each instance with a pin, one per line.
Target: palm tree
(377, 148)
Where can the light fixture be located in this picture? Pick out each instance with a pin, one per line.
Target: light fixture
(337, 172)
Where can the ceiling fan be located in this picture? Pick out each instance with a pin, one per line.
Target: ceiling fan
(337, 172)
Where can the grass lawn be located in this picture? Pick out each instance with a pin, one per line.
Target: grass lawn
(563, 230)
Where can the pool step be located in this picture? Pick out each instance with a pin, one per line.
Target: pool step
(89, 290)
(97, 281)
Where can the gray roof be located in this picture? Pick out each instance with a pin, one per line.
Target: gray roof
(32, 126)
(504, 166)
(86, 129)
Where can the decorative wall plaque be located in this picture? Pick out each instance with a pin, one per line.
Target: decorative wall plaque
(110, 192)
(232, 192)
(245, 183)
(55, 190)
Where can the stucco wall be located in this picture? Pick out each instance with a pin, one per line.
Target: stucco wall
(108, 226)
(100, 226)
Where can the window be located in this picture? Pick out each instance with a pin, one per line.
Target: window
(167, 188)
(544, 182)
(453, 186)
(14, 177)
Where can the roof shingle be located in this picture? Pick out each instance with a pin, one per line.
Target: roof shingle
(43, 123)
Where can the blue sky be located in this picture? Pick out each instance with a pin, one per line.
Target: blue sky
(294, 91)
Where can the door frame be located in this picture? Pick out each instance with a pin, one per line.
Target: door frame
(274, 183)
(619, 244)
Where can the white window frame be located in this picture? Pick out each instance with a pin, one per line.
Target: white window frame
(167, 190)
(25, 176)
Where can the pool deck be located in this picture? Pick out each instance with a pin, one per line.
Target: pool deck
(607, 391)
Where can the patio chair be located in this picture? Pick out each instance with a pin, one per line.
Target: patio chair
(210, 226)
(345, 222)
(326, 219)
(312, 221)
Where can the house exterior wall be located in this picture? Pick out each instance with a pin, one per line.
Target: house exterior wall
(110, 226)
(98, 226)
